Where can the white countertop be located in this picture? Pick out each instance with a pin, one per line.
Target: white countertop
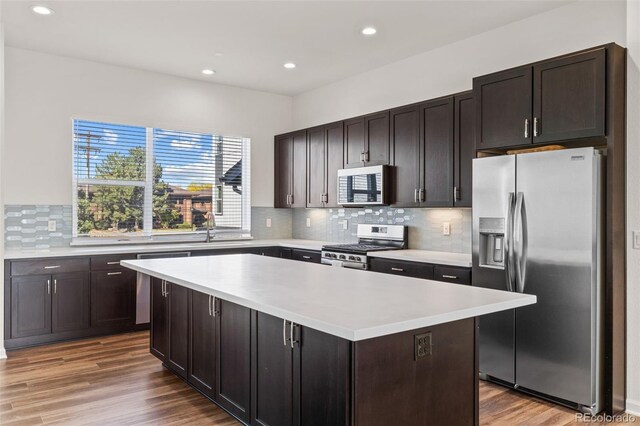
(348, 303)
(426, 256)
(159, 248)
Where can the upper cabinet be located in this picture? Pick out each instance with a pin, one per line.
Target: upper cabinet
(406, 147)
(366, 140)
(554, 100)
(436, 132)
(291, 170)
(463, 149)
(325, 156)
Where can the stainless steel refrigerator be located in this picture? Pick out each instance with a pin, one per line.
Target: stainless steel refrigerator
(537, 230)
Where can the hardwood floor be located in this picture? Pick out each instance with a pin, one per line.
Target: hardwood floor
(114, 380)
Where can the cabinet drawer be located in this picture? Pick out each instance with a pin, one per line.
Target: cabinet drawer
(407, 269)
(269, 251)
(306, 255)
(452, 274)
(49, 266)
(105, 263)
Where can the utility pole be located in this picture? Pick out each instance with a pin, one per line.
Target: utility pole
(88, 149)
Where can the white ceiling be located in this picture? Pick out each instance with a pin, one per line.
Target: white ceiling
(248, 42)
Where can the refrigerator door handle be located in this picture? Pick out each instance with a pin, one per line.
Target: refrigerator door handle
(520, 242)
(508, 243)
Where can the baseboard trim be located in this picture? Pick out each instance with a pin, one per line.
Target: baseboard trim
(3, 353)
(633, 407)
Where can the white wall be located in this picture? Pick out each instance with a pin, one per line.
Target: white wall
(449, 69)
(44, 92)
(633, 206)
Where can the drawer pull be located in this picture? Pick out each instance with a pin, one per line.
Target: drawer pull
(397, 269)
(52, 267)
(114, 273)
(306, 257)
(113, 263)
(451, 277)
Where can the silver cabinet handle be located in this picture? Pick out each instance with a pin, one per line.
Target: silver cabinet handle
(415, 195)
(306, 257)
(397, 269)
(48, 286)
(292, 331)
(214, 308)
(55, 286)
(114, 273)
(421, 195)
(284, 332)
(162, 287)
(366, 156)
(291, 199)
(535, 127)
(456, 193)
(451, 277)
(52, 267)
(113, 263)
(526, 128)
(209, 300)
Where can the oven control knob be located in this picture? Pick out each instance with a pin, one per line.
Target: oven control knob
(352, 258)
(334, 255)
(358, 258)
(342, 256)
(327, 255)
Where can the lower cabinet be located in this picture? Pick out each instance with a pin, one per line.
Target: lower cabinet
(202, 343)
(302, 376)
(159, 327)
(46, 304)
(312, 256)
(233, 392)
(113, 298)
(451, 274)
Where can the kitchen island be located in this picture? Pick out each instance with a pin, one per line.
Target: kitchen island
(278, 342)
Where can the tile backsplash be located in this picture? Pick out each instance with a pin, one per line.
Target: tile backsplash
(425, 225)
(26, 226)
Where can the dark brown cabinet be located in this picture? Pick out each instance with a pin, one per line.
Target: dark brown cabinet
(159, 335)
(325, 156)
(233, 391)
(202, 343)
(366, 140)
(555, 100)
(70, 302)
(406, 149)
(113, 298)
(463, 149)
(291, 169)
(301, 376)
(272, 381)
(452, 274)
(436, 131)
(30, 306)
(569, 97)
(306, 255)
(46, 304)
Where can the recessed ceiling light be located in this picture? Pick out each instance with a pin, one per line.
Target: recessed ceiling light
(208, 72)
(369, 31)
(290, 65)
(42, 10)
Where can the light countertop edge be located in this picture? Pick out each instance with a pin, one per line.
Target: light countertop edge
(333, 329)
(426, 256)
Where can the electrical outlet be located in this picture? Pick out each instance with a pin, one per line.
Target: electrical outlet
(345, 224)
(308, 222)
(636, 240)
(268, 222)
(446, 228)
(51, 225)
(422, 345)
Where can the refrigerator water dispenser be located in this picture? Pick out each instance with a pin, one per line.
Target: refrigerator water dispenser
(492, 242)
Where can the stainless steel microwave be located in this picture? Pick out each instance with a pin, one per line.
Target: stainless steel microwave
(363, 186)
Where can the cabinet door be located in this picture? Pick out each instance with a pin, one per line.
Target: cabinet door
(335, 161)
(398, 267)
(233, 371)
(269, 251)
(436, 130)
(70, 302)
(353, 142)
(159, 339)
(113, 298)
(30, 305)
(316, 166)
(405, 142)
(503, 108)
(322, 371)
(464, 151)
(178, 355)
(283, 158)
(306, 255)
(376, 137)
(299, 169)
(569, 97)
(272, 395)
(202, 343)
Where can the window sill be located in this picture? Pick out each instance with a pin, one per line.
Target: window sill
(199, 238)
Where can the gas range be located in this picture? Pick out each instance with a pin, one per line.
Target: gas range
(370, 238)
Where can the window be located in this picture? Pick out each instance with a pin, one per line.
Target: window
(140, 182)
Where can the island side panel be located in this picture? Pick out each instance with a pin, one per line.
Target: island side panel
(402, 379)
